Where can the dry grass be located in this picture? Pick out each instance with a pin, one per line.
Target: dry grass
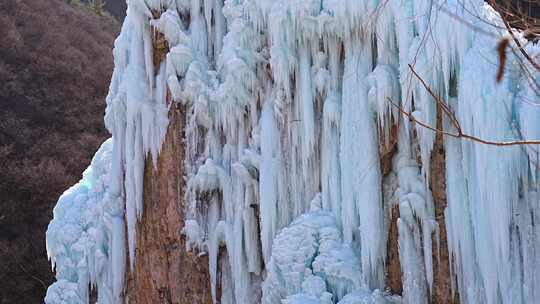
(55, 66)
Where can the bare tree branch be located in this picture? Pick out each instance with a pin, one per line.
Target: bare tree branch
(423, 124)
(520, 47)
(454, 120)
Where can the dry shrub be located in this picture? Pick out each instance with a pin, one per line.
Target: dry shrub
(55, 65)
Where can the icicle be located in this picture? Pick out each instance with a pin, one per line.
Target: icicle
(330, 171)
(362, 214)
(268, 178)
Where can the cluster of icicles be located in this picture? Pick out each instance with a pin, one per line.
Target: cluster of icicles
(288, 102)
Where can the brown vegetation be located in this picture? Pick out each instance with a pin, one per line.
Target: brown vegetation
(55, 66)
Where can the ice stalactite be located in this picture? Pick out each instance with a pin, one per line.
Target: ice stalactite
(269, 177)
(493, 207)
(136, 113)
(415, 225)
(287, 101)
(362, 211)
(330, 169)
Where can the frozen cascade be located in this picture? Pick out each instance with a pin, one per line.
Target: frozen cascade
(136, 113)
(287, 106)
(362, 212)
(85, 240)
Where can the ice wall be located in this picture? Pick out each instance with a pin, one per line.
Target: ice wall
(86, 238)
(288, 102)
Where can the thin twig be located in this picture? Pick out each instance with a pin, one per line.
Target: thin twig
(25, 271)
(423, 124)
(521, 49)
(443, 105)
(31, 275)
(460, 134)
(455, 121)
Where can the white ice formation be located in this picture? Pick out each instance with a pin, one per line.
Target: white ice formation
(86, 238)
(287, 103)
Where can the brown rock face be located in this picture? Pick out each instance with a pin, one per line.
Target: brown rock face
(393, 266)
(442, 288)
(165, 273)
(387, 150)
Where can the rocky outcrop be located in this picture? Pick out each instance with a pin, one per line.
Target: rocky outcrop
(442, 287)
(164, 271)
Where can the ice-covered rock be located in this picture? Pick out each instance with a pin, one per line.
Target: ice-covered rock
(86, 238)
(309, 256)
(287, 99)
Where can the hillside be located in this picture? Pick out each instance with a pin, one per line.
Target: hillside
(55, 67)
(116, 8)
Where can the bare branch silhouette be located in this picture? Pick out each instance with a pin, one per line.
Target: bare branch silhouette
(454, 121)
